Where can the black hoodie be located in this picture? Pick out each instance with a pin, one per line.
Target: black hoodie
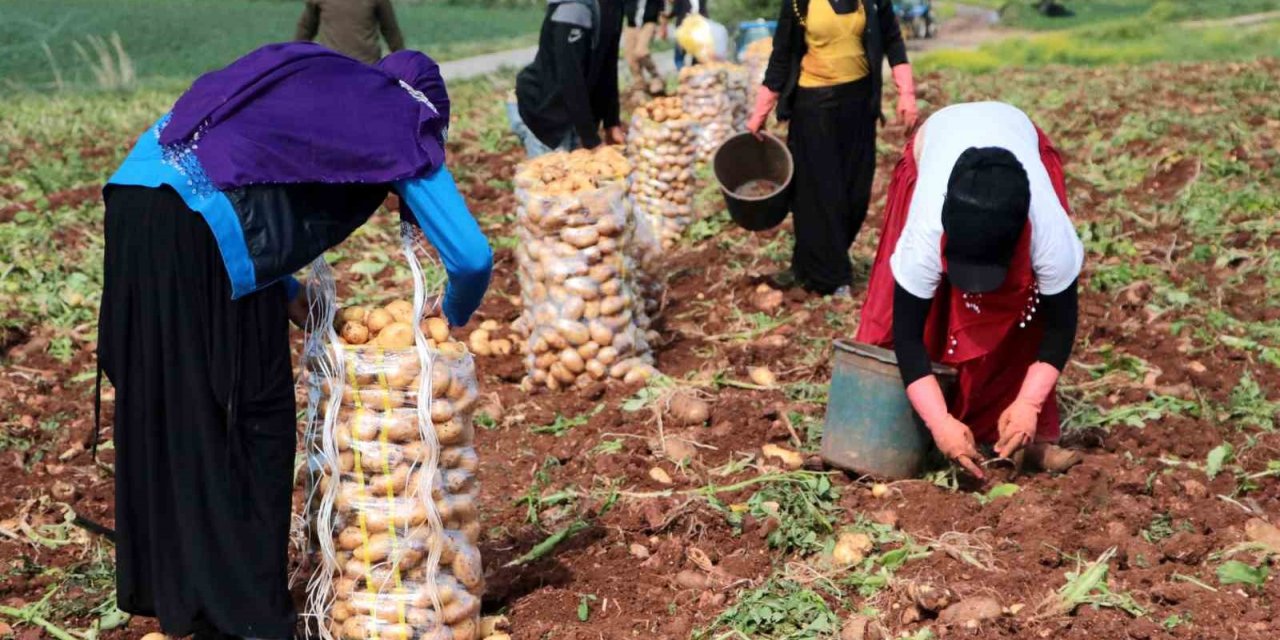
(572, 84)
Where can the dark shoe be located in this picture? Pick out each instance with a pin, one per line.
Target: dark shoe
(782, 280)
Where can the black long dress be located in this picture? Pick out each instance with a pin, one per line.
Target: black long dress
(205, 428)
(833, 139)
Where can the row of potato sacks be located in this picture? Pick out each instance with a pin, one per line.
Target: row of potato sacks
(384, 518)
(583, 318)
(716, 95)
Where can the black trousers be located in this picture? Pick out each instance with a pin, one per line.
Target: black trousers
(833, 139)
(205, 427)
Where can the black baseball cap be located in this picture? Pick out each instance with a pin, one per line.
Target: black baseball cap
(983, 215)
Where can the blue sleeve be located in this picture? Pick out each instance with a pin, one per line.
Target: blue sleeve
(442, 214)
(291, 287)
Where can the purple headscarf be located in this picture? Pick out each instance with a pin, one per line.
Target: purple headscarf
(299, 112)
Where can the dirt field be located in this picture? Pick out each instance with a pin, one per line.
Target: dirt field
(1173, 177)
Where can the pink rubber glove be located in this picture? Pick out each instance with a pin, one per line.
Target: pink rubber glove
(954, 438)
(907, 110)
(766, 100)
(1017, 424)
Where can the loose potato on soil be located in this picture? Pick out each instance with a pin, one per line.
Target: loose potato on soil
(688, 410)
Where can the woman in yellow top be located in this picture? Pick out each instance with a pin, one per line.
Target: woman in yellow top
(825, 77)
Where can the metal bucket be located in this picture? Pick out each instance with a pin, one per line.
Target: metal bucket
(871, 428)
(744, 158)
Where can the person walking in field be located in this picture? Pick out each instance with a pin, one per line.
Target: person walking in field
(824, 76)
(679, 10)
(570, 91)
(642, 21)
(977, 268)
(258, 169)
(351, 27)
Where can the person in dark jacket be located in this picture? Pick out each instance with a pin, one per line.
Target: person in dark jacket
(258, 169)
(824, 76)
(351, 27)
(680, 9)
(641, 25)
(570, 90)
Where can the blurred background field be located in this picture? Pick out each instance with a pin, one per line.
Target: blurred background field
(39, 39)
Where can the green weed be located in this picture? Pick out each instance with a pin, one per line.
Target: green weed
(1237, 572)
(1248, 405)
(806, 510)
(562, 425)
(780, 609)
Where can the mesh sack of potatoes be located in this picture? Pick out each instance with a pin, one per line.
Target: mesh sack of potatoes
(660, 146)
(756, 60)
(714, 94)
(582, 317)
(393, 491)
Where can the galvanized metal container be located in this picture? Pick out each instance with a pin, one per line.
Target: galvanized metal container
(871, 428)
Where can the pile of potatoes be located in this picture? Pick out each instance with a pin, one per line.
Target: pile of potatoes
(485, 341)
(568, 173)
(715, 94)
(661, 148)
(383, 526)
(582, 318)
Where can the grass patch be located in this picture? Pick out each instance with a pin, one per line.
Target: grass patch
(1023, 14)
(183, 38)
(1124, 42)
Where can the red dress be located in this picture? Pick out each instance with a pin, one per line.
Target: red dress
(992, 338)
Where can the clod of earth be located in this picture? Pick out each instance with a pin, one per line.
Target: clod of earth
(1263, 533)
(678, 450)
(689, 579)
(63, 490)
(659, 475)
(1195, 489)
(886, 517)
(855, 628)
(772, 341)
(975, 609)
(639, 551)
(766, 298)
